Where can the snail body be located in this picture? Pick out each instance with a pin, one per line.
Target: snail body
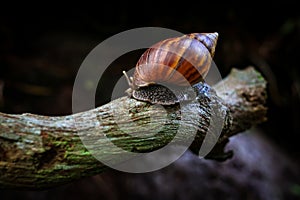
(175, 63)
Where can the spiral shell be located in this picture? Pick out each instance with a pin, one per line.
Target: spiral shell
(190, 55)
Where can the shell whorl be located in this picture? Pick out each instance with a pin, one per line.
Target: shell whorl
(208, 39)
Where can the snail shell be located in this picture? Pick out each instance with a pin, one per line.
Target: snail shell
(180, 61)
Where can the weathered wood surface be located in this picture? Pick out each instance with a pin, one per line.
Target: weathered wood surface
(38, 152)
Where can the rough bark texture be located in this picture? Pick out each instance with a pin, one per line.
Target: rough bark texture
(39, 151)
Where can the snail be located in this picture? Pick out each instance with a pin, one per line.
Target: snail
(172, 63)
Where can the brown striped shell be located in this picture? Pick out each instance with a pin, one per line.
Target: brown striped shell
(190, 55)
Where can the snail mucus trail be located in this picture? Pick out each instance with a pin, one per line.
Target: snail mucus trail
(164, 73)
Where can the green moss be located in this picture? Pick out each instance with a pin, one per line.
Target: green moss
(260, 77)
(58, 143)
(85, 152)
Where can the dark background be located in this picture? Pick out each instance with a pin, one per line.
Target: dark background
(42, 48)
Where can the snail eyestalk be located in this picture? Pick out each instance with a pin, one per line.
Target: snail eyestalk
(130, 83)
(129, 80)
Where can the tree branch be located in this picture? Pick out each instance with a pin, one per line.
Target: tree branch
(39, 151)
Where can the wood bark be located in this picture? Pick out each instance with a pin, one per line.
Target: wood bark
(38, 152)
